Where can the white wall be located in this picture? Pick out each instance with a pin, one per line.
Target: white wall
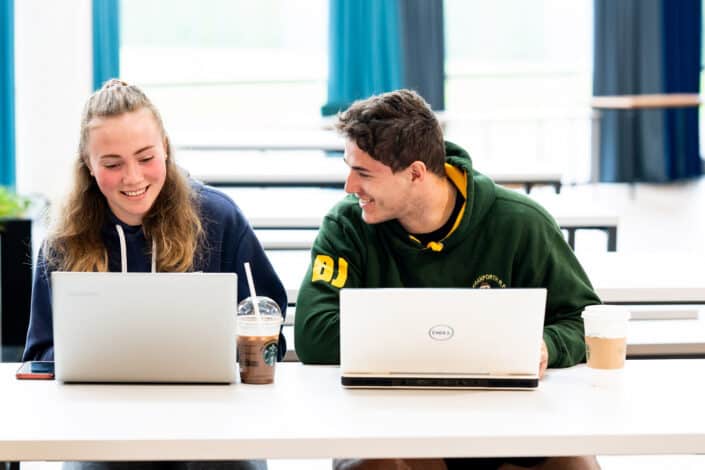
(53, 78)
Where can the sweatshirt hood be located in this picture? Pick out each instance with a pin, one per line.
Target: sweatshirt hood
(125, 243)
(480, 195)
(480, 188)
(113, 221)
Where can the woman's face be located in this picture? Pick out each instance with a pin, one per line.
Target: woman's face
(127, 156)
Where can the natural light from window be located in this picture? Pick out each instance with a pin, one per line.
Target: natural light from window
(519, 81)
(223, 65)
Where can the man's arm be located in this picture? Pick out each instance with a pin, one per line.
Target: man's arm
(544, 259)
(335, 263)
(569, 292)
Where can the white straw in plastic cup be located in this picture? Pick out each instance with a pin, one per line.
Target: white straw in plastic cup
(253, 293)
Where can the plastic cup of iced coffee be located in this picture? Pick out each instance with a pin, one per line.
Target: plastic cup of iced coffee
(258, 339)
(606, 336)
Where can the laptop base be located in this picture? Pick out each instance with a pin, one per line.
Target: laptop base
(524, 383)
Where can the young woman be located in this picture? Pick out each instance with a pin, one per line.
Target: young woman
(132, 209)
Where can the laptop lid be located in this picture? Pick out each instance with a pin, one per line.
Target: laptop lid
(144, 327)
(429, 337)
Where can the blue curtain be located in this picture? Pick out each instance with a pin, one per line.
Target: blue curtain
(106, 41)
(424, 51)
(382, 45)
(365, 56)
(682, 22)
(643, 47)
(7, 93)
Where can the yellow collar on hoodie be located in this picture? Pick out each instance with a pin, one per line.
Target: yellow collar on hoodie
(459, 178)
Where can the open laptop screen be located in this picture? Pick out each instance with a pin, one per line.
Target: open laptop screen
(144, 327)
(441, 337)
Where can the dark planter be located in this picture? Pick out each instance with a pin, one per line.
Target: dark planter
(15, 285)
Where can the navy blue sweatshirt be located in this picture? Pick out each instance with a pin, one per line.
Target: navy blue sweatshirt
(230, 242)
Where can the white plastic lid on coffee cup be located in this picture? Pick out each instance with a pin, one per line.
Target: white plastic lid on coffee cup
(606, 321)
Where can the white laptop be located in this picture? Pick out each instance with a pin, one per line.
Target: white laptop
(144, 327)
(441, 338)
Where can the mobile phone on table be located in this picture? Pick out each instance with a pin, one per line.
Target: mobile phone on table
(37, 370)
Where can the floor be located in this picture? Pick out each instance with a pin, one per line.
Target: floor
(652, 218)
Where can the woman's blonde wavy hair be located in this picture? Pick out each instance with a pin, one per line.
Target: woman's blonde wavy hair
(173, 222)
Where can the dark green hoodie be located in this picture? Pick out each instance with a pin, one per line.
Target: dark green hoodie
(502, 239)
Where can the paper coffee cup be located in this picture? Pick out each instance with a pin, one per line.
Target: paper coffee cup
(606, 335)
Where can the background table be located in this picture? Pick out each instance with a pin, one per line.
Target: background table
(664, 291)
(647, 278)
(315, 168)
(304, 208)
(621, 277)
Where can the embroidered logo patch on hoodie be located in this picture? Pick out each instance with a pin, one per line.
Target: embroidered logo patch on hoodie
(488, 281)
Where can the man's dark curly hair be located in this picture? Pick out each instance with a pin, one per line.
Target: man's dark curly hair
(396, 128)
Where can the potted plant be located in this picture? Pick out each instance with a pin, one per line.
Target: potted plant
(12, 205)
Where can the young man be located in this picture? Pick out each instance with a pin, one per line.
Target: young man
(418, 215)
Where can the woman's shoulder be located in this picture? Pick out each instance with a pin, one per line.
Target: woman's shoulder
(212, 200)
(216, 207)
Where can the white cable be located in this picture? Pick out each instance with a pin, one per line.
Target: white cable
(154, 256)
(123, 248)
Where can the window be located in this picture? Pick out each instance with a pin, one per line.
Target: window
(519, 81)
(224, 65)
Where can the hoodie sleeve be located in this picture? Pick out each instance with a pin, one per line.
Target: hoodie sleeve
(336, 260)
(40, 335)
(549, 262)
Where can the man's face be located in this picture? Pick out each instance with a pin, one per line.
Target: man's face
(382, 195)
(127, 155)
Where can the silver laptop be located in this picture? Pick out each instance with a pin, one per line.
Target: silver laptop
(144, 327)
(441, 338)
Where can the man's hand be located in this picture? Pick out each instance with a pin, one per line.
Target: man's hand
(544, 359)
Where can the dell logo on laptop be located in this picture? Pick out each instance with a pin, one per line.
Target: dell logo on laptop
(441, 332)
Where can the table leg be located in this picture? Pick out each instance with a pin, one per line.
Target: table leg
(571, 237)
(612, 239)
(595, 146)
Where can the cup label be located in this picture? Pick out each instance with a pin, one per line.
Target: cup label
(257, 356)
(605, 353)
(269, 353)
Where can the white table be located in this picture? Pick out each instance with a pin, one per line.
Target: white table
(286, 239)
(307, 414)
(621, 277)
(651, 284)
(290, 168)
(665, 338)
(657, 338)
(614, 277)
(647, 278)
(305, 167)
(630, 104)
(651, 339)
(260, 140)
(304, 208)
